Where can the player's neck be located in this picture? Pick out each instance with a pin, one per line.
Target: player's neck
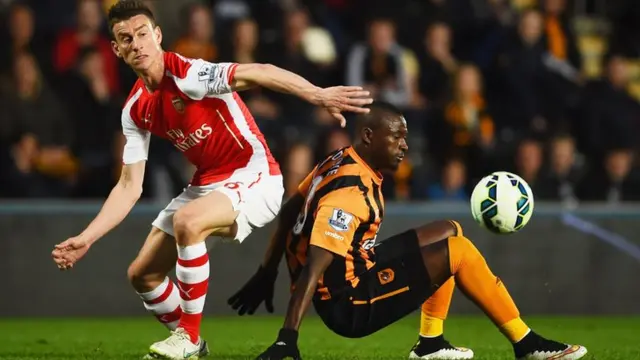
(362, 152)
(152, 77)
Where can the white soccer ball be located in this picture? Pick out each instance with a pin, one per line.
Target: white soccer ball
(502, 202)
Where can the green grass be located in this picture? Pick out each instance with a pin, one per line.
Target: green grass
(243, 338)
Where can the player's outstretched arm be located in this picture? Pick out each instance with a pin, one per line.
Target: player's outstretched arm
(260, 287)
(286, 345)
(119, 203)
(335, 99)
(318, 261)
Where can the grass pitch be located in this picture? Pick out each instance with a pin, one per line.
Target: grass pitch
(235, 338)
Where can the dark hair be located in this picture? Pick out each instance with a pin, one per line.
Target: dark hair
(125, 10)
(382, 106)
(378, 112)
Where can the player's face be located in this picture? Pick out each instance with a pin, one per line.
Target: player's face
(390, 143)
(137, 42)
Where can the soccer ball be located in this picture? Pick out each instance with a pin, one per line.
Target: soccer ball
(502, 202)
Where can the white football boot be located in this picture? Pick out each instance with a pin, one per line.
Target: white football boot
(204, 351)
(438, 349)
(178, 346)
(535, 347)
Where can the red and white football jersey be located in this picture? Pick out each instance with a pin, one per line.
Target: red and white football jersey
(195, 108)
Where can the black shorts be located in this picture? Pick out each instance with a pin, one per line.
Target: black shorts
(396, 286)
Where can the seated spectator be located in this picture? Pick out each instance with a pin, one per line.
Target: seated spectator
(614, 181)
(87, 33)
(42, 162)
(22, 38)
(452, 186)
(290, 54)
(529, 161)
(244, 50)
(565, 172)
(378, 65)
(86, 93)
(465, 126)
(559, 38)
(563, 63)
(521, 69)
(437, 64)
(609, 115)
(198, 42)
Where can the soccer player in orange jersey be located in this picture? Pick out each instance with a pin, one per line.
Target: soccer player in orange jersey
(358, 284)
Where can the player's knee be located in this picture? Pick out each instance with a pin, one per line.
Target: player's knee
(435, 231)
(186, 226)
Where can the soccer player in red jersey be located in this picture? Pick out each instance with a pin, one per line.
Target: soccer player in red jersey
(237, 185)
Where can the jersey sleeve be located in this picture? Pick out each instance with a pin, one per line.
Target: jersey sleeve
(136, 147)
(203, 78)
(338, 216)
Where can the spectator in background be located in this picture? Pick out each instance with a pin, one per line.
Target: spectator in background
(563, 63)
(245, 41)
(87, 33)
(379, 66)
(289, 54)
(244, 50)
(610, 116)
(465, 126)
(336, 139)
(560, 182)
(437, 63)
(452, 185)
(21, 31)
(42, 134)
(198, 42)
(299, 163)
(529, 159)
(521, 69)
(94, 114)
(559, 38)
(618, 182)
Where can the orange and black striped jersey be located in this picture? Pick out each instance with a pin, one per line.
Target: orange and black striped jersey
(342, 213)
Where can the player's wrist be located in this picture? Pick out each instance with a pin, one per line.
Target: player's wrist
(313, 95)
(288, 336)
(87, 238)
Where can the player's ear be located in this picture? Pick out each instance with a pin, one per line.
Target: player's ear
(158, 34)
(114, 48)
(366, 135)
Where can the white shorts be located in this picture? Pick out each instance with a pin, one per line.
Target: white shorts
(256, 197)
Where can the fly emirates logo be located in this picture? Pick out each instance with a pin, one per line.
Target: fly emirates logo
(184, 143)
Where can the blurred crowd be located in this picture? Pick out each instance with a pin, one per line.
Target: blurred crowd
(544, 88)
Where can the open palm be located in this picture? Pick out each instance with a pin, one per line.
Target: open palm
(338, 99)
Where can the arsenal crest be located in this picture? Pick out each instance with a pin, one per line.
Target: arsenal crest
(178, 104)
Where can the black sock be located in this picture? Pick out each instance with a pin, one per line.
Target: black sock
(428, 345)
(533, 342)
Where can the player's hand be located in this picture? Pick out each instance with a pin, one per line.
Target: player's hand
(68, 252)
(338, 99)
(286, 347)
(258, 289)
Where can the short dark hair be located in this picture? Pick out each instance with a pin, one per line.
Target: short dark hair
(125, 10)
(383, 106)
(378, 111)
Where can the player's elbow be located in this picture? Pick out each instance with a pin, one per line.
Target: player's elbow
(131, 190)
